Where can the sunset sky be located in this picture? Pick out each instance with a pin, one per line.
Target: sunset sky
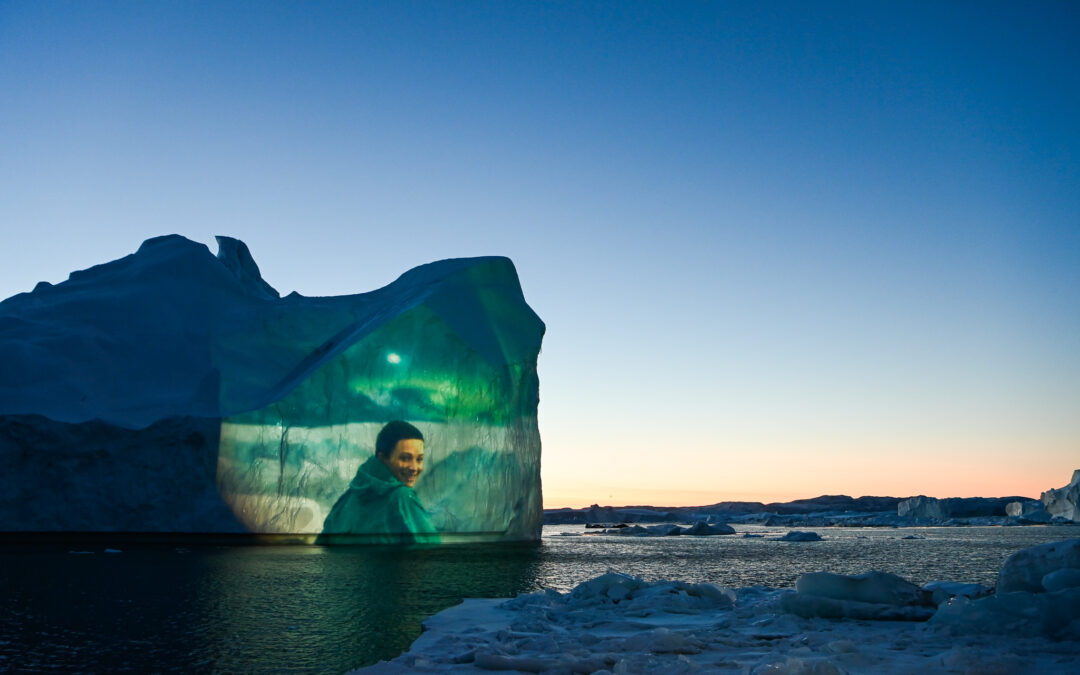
(781, 249)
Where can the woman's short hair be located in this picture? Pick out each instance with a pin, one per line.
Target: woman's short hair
(393, 432)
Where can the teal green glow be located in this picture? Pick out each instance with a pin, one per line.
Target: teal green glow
(467, 379)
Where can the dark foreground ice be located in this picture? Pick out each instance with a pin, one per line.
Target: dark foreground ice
(869, 623)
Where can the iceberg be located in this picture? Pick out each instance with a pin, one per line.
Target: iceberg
(1064, 502)
(958, 510)
(173, 390)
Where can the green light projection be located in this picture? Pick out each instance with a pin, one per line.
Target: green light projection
(460, 365)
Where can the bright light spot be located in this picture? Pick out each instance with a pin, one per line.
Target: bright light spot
(393, 358)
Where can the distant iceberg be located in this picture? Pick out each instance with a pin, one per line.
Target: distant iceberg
(1064, 502)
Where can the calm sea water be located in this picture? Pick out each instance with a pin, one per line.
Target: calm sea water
(292, 609)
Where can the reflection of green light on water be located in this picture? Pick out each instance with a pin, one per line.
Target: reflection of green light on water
(393, 357)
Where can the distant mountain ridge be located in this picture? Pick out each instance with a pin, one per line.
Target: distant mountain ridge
(1057, 506)
(819, 511)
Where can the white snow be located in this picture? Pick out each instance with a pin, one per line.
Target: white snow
(620, 624)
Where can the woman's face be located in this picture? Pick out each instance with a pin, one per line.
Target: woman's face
(406, 460)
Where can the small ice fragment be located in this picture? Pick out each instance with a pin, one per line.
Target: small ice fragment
(797, 535)
(701, 528)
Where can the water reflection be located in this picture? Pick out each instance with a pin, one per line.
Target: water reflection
(327, 610)
(247, 608)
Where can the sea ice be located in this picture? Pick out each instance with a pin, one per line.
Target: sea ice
(868, 596)
(1054, 615)
(873, 587)
(797, 535)
(698, 529)
(701, 528)
(1026, 569)
(1061, 579)
(941, 591)
(617, 623)
(810, 606)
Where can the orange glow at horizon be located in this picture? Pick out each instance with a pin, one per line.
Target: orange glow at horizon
(781, 475)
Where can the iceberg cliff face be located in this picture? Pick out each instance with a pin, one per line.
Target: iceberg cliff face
(172, 390)
(1064, 502)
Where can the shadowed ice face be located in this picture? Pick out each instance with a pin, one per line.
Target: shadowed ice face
(406, 461)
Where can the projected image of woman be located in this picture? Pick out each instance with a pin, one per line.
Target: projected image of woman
(380, 502)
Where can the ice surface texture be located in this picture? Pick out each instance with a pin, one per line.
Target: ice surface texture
(1025, 570)
(1064, 502)
(871, 623)
(194, 366)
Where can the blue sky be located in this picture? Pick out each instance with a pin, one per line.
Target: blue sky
(782, 249)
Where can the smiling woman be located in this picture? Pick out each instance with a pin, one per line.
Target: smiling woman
(380, 506)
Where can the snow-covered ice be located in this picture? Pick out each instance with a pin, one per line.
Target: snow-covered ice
(869, 623)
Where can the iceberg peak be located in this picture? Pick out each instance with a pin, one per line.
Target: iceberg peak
(236, 258)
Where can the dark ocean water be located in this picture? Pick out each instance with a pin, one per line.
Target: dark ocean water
(293, 609)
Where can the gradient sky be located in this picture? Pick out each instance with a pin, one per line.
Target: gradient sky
(782, 249)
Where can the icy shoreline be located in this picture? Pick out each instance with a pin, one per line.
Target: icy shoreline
(870, 623)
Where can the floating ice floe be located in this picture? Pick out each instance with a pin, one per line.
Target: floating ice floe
(698, 529)
(829, 624)
(796, 535)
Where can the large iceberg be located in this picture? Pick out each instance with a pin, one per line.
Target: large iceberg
(175, 391)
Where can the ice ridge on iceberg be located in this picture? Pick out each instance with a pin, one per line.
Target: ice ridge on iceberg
(191, 364)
